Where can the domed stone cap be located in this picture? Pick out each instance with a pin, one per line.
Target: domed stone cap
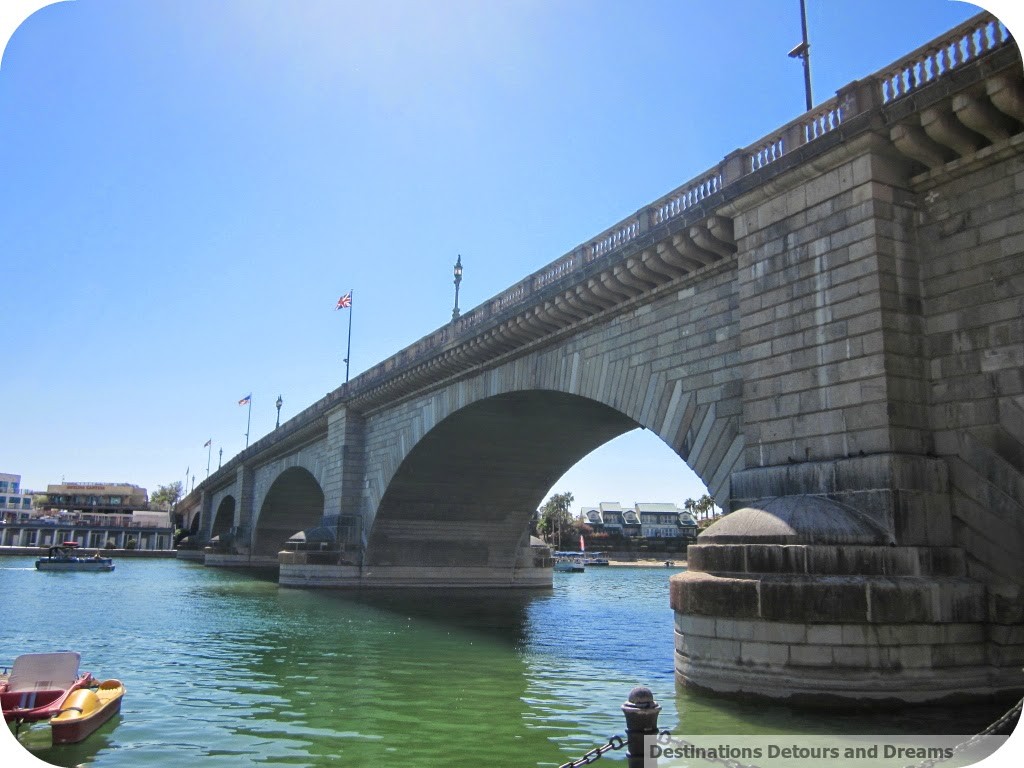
(313, 536)
(796, 520)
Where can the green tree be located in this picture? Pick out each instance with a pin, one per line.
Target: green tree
(705, 506)
(166, 496)
(555, 519)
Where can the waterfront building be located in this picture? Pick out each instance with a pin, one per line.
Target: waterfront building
(665, 521)
(644, 520)
(111, 533)
(605, 518)
(15, 504)
(95, 498)
(95, 515)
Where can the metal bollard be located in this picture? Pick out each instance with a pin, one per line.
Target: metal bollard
(641, 711)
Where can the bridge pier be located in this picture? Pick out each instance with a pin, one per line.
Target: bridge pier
(809, 599)
(234, 560)
(532, 569)
(297, 574)
(873, 554)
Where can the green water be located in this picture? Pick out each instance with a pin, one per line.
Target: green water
(226, 669)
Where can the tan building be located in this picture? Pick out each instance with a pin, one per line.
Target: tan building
(87, 498)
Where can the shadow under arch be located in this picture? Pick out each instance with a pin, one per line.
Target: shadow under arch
(294, 502)
(224, 519)
(466, 491)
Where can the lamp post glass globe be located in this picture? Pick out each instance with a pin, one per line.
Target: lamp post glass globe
(279, 403)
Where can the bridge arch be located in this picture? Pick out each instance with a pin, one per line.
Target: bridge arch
(464, 491)
(671, 364)
(294, 501)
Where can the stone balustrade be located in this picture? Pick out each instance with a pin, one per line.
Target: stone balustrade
(935, 59)
(978, 36)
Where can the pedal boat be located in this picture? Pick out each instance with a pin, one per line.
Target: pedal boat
(38, 685)
(85, 710)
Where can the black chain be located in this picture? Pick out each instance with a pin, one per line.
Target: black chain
(1014, 711)
(615, 742)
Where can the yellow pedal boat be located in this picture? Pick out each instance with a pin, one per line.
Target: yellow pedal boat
(85, 710)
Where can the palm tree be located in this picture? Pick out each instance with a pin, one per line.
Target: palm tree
(690, 508)
(705, 506)
(555, 518)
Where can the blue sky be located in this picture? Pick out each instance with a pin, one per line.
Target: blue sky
(187, 187)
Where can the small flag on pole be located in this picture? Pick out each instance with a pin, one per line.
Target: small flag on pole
(345, 301)
(207, 443)
(245, 400)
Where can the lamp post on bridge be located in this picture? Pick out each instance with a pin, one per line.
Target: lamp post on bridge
(279, 403)
(458, 279)
(803, 51)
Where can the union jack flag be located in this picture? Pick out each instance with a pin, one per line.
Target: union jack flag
(345, 301)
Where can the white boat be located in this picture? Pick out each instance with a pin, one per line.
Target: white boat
(596, 558)
(62, 558)
(569, 562)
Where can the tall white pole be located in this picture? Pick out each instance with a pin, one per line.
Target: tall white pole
(348, 350)
(248, 422)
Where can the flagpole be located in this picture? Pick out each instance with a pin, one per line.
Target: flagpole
(248, 421)
(185, 492)
(209, 454)
(348, 351)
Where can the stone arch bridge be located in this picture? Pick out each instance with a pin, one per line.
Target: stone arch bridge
(826, 326)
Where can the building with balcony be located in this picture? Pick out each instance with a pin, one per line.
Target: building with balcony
(95, 515)
(95, 498)
(644, 520)
(665, 521)
(15, 504)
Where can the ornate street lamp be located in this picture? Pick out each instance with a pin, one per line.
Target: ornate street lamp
(279, 403)
(458, 279)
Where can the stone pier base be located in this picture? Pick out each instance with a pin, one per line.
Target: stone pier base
(835, 639)
(799, 599)
(224, 560)
(307, 569)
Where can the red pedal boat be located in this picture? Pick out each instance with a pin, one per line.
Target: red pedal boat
(38, 685)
